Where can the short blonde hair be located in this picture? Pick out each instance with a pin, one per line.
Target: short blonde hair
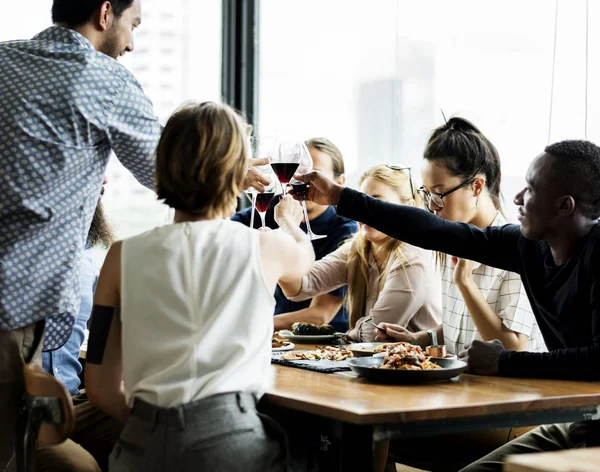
(201, 159)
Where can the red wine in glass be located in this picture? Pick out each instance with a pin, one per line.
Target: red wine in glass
(263, 200)
(284, 171)
(300, 189)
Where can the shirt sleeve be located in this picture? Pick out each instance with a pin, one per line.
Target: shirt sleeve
(134, 131)
(496, 246)
(401, 297)
(513, 305)
(327, 274)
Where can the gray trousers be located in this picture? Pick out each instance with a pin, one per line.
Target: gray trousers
(222, 433)
(546, 438)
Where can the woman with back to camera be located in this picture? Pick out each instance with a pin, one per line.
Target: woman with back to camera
(183, 313)
(388, 281)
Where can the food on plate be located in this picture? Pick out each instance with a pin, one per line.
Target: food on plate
(310, 329)
(405, 356)
(387, 346)
(277, 343)
(329, 353)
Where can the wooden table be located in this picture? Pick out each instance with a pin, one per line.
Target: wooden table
(373, 412)
(574, 460)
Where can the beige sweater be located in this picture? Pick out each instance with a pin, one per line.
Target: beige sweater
(410, 296)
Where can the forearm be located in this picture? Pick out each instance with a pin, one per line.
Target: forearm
(492, 246)
(304, 244)
(575, 363)
(309, 315)
(110, 401)
(488, 323)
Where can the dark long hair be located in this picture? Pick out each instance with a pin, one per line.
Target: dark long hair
(466, 152)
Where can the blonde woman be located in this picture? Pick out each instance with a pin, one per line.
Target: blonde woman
(180, 341)
(388, 281)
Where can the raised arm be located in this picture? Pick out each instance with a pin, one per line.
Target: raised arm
(134, 131)
(287, 254)
(104, 366)
(326, 275)
(494, 246)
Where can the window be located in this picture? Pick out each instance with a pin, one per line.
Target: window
(186, 63)
(373, 76)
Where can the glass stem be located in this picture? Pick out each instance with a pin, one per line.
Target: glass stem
(308, 230)
(253, 210)
(262, 218)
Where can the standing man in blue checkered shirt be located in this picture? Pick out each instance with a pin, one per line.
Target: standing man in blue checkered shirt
(65, 104)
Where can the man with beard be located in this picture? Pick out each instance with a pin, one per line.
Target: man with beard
(65, 104)
(95, 432)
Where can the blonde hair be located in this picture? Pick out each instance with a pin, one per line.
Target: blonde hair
(358, 261)
(201, 159)
(326, 146)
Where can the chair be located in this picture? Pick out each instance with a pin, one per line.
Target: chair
(48, 415)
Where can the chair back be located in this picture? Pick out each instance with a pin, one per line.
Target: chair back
(46, 393)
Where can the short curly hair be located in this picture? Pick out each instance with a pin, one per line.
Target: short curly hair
(201, 159)
(577, 165)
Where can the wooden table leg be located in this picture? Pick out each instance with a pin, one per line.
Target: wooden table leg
(357, 448)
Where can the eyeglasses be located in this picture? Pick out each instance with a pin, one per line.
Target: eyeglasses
(401, 168)
(437, 198)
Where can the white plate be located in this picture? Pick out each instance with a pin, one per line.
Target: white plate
(309, 339)
(289, 347)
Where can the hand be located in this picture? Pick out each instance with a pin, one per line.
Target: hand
(254, 178)
(463, 270)
(482, 357)
(394, 333)
(290, 210)
(321, 190)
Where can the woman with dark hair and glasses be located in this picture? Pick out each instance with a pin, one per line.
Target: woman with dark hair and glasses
(388, 281)
(461, 182)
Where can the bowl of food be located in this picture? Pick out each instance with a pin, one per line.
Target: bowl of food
(406, 363)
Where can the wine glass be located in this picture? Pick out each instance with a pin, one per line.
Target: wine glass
(262, 200)
(263, 147)
(301, 188)
(285, 162)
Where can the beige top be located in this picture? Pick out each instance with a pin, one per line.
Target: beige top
(410, 297)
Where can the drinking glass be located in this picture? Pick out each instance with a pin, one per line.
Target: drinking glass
(301, 189)
(259, 147)
(262, 200)
(285, 162)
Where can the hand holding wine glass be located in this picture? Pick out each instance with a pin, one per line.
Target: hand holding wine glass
(254, 178)
(301, 188)
(288, 209)
(321, 190)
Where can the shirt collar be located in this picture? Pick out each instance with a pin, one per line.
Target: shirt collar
(60, 34)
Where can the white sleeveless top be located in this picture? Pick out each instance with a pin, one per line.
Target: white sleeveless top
(196, 312)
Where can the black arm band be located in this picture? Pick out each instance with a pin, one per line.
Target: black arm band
(101, 320)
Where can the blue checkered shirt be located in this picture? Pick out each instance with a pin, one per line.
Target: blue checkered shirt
(63, 108)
